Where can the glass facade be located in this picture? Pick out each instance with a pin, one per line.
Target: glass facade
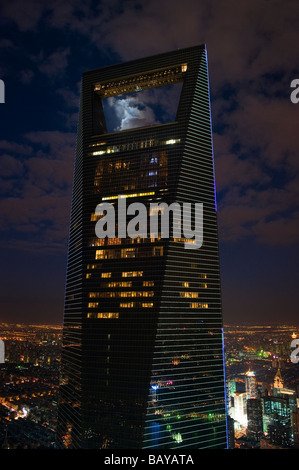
(142, 359)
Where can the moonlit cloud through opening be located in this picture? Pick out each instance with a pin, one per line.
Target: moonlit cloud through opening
(143, 108)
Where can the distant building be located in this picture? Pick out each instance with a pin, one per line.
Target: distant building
(266, 444)
(278, 380)
(231, 390)
(295, 425)
(5, 444)
(231, 432)
(279, 433)
(250, 385)
(277, 418)
(254, 419)
(239, 411)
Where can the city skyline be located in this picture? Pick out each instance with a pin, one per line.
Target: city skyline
(257, 359)
(252, 62)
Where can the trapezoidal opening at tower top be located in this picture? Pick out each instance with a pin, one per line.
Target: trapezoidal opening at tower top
(138, 101)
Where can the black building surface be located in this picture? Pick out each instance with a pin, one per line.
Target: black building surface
(255, 419)
(142, 359)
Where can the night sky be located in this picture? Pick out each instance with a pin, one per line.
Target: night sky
(253, 58)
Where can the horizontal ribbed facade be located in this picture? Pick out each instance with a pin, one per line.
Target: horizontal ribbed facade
(142, 362)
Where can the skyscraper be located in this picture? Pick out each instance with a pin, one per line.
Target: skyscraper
(254, 419)
(250, 385)
(142, 359)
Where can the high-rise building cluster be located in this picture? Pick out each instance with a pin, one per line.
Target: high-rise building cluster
(262, 389)
(29, 381)
(263, 401)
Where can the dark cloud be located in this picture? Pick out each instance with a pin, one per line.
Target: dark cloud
(15, 147)
(252, 53)
(26, 76)
(10, 166)
(24, 14)
(244, 48)
(71, 97)
(39, 207)
(56, 63)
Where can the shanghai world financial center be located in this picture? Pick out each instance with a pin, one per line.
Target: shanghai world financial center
(142, 357)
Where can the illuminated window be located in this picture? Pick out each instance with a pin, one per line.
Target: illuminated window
(100, 254)
(88, 275)
(132, 274)
(127, 304)
(93, 304)
(147, 304)
(106, 254)
(99, 152)
(97, 242)
(184, 240)
(198, 305)
(114, 241)
(148, 283)
(128, 253)
(117, 284)
(131, 145)
(185, 284)
(158, 251)
(97, 144)
(172, 141)
(184, 67)
(189, 294)
(126, 294)
(203, 276)
(106, 275)
(93, 266)
(108, 241)
(93, 295)
(148, 294)
(203, 285)
(95, 217)
(122, 196)
(103, 315)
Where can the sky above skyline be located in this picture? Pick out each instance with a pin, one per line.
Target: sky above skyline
(253, 57)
